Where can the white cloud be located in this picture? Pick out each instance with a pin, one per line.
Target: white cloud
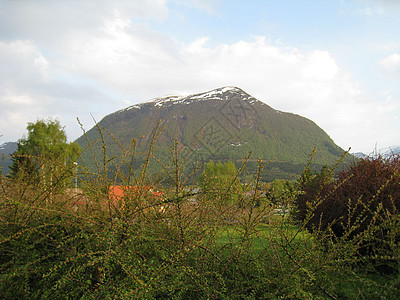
(378, 7)
(26, 73)
(20, 60)
(52, 24)
(383, 3)
(132, 58)
(207, 5)
(31, 87)
(35, 82)
(204, 5)
(22, 71)
(94, 62)
(391, 64)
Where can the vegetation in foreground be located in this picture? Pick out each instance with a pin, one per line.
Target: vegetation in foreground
(231, 239)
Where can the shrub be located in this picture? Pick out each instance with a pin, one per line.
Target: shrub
(360, 205)
(58, 243)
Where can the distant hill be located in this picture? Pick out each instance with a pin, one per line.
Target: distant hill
(222, 124)
(385, 152)
(388, 151)
(359, 154)
(6, 150)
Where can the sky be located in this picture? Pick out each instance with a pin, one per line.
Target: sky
(336, 62)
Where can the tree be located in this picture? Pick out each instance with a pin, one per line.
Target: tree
(44, 156)
(221, 178)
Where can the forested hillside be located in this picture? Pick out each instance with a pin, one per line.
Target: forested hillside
(222, 124)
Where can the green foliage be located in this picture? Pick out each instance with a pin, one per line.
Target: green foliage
(44, 156)
(222, 179)
(81, 244)
(281, 192)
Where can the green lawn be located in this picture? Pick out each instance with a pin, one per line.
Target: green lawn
(287, 244)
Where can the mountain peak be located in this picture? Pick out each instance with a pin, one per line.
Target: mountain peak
(222, 93)
(217, 91)
(228, 88)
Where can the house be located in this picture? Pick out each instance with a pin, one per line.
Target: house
(119, 193)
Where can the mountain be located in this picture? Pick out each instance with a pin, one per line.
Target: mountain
(384, 152)
(359, 154)
(222, 124)
(388, 151)
(6, 150)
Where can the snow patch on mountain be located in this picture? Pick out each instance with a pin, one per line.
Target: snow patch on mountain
(221, 94)
(217, 94)
(214, 94)
(384, 152)
(390, 150)
(8, 148)
(169, 100)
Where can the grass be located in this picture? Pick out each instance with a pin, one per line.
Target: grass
(273, 241)
(265, 234)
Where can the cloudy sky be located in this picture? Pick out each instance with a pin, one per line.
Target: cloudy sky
(336, 62)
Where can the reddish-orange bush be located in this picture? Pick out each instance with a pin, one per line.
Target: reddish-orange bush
(363, 202)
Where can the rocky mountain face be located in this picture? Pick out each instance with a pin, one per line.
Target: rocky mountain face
(6, 150)
(222, 124)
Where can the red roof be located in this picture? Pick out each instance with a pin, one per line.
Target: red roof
(117, 192)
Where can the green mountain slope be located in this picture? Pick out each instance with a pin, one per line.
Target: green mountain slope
(222, 124)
